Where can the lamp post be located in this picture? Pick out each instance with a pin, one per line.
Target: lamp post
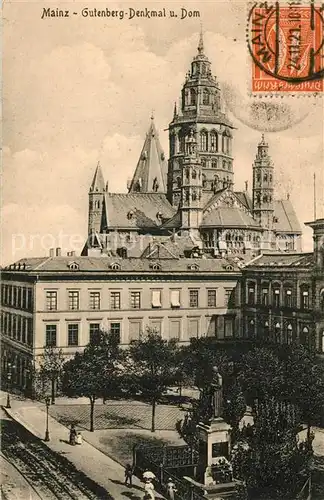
(47, 402)
(10, 368)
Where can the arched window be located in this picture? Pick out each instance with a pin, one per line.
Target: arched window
(194, 174)
(304, 335)
(224, 143)
(178, 182)
(214, 164)
(204, 163)
(203, 141)
(265, 177)
(258, 177)
(194, 195)
(265, 199)
(266, 330)
(289, 334)
(265, 294)
(192, 97)
(277, 329)
(304, 297)
(276, 295)
(213, 141)
(205, 96)
(204, 181)
(187, 173)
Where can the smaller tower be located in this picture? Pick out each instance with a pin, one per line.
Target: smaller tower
(263, 186)
(96, 201)
(191, 187)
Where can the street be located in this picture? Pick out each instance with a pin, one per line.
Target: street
(46, 474)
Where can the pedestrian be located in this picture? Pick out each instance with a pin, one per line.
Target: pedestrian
(128, 474)
(149, 490)
(72, 439)
(171, 489)
(148, 475)
(78, 439)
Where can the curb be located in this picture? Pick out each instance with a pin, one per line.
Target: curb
(13, 416)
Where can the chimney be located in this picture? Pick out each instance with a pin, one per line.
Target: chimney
(72, 253)
(51, 252)
(58, 252)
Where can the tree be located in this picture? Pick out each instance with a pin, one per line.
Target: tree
(95, 372)
(51, 366)
(305, 383)
(153, 368)
(234, 407)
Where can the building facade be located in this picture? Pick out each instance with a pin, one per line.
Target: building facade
(283, 296)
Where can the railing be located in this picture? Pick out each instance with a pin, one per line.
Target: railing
(306, 491)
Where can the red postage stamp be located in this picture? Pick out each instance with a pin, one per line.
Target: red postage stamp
(286, 45)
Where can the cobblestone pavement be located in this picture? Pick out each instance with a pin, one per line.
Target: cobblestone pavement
(118, 415)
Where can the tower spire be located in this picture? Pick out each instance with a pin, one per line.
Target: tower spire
(201, 42)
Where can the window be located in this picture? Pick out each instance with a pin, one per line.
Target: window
(304, 336)
(156, 326)
(115, 300)
(193, 298)
(203, 141)
(192, 97)
(73, 334)
(251, 294)
(94, 329)
(289, 334)
(156, 298)
(51, 300)
(304, 297)
(211, 298)
(205, 96)
(276, 296)
(30, 299)
(288, 297)
(175, 298)
(228, 294)
(135, 300)
(228, 327)
(251, 328)
(73, 300)
(265, 296)
(50, 335)
(266, 330)
(134, 330)
(213, 141)
(115, 330)
(175, 329)
(193, 328)
(24, 298)
(277, 332)
(94, 300)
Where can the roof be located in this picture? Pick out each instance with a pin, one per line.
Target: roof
(280, 259)
(98, 182)
(287, 218)
(229, 217)
(122, 266)
(137, 210)
(244, 198)
(151, 172)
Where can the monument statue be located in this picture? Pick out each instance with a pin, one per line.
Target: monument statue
(217, 393)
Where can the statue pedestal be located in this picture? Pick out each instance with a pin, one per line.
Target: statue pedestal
(214, 442)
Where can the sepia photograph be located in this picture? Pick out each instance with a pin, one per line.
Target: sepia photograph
(162, 250)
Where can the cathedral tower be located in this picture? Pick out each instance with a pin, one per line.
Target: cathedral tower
(96, 201)
(263, 186)
(191, 187)
(201, 111)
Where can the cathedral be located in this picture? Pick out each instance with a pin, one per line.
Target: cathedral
(187, 206)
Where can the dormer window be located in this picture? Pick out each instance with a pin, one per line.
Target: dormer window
(193, 267)
(229, 267)
(73, 266)
(159, 215)
(275, 219)
(115, 266)
(130, 215)
(162, 156)
(156, 267)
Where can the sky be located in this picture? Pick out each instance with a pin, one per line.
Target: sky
(80, 90)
